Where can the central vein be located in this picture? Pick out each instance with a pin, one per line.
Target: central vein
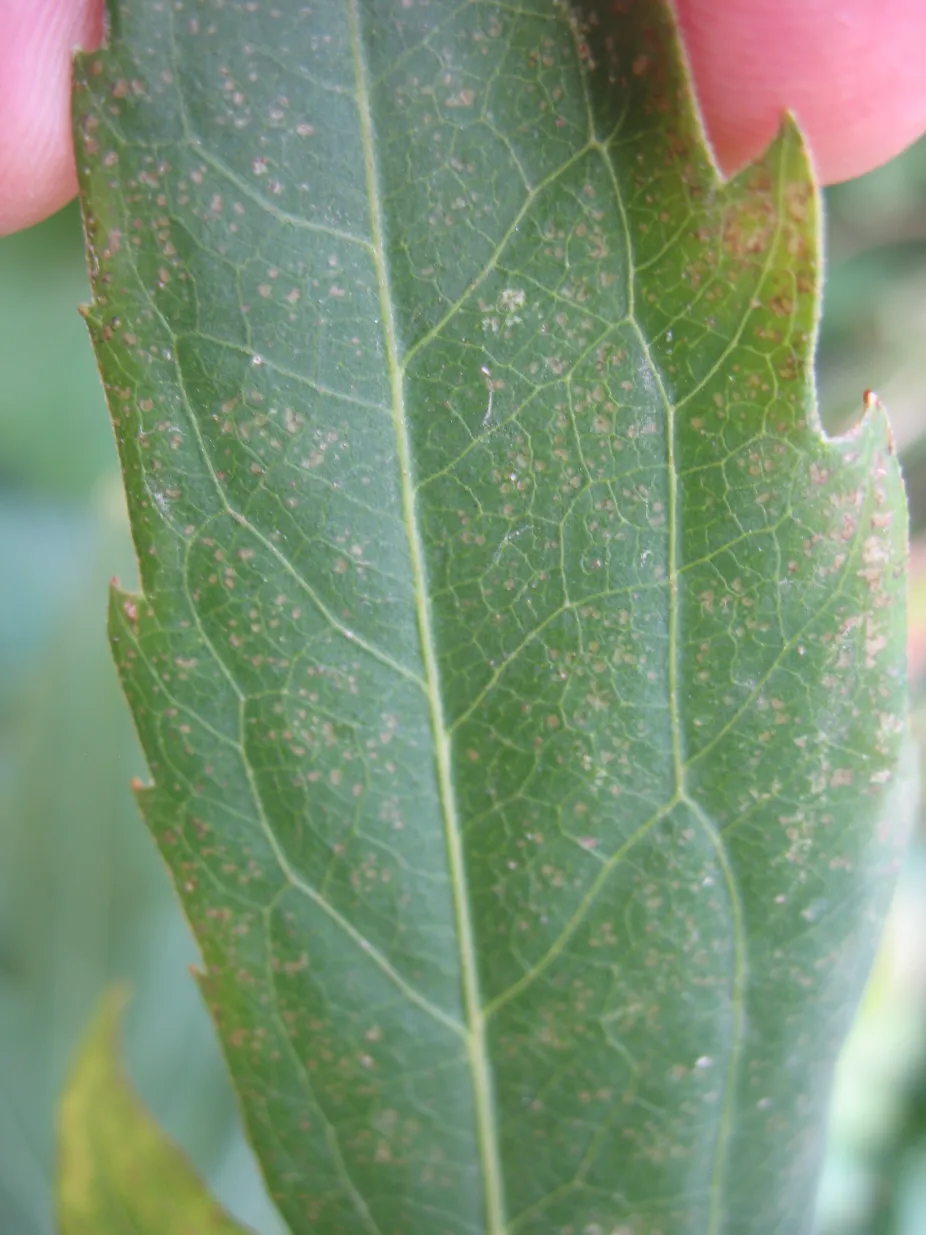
(477, 1049)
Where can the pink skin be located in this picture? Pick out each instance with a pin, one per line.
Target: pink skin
(37, 174)
(852, 71)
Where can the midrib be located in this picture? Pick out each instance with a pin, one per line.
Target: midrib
(477, 1052)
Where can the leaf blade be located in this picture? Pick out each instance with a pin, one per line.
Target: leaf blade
(465, 672)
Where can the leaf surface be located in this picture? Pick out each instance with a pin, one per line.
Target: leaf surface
(119, 1174)
(520, 671)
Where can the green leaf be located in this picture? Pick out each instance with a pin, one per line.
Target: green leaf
(520, 671)
(84, 898)
(118, 1172)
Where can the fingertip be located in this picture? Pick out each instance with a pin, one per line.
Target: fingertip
(37, 42)
(850, 70)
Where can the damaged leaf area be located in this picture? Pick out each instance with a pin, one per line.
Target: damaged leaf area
(520, 671)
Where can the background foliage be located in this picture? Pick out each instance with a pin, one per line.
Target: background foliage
(82, 897)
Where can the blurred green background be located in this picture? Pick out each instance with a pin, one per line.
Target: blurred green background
(83, 899)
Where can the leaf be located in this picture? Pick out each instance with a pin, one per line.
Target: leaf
(84, 900)
(118, 1171)
(520, 671)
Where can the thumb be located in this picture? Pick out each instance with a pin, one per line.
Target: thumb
(850, 70)
(37, 40)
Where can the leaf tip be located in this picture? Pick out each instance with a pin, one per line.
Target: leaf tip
(875, 413)
(117, 1168)
(874, 423)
